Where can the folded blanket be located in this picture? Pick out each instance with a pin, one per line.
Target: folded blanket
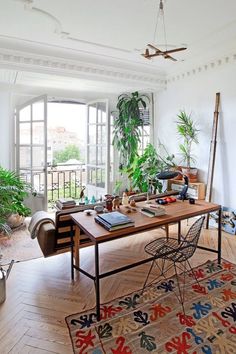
(39, 218)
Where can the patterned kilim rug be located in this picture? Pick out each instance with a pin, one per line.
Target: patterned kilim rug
(154, 322)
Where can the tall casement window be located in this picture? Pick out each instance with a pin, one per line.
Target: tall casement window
(63, 147)
(147, 127)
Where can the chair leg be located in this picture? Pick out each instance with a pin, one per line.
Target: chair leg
(184, 275)
(181, 293)
(149, 272)
(160, 268)
(191, 269)
(181, 296)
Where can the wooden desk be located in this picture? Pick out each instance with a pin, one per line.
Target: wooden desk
(175, 213)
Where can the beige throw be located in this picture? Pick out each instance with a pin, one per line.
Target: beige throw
(39, 218)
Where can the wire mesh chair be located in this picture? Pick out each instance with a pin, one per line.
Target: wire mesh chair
(177, 254)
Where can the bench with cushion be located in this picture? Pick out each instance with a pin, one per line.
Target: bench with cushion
(54, 237)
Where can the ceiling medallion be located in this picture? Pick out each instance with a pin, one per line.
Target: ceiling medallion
(151, 50)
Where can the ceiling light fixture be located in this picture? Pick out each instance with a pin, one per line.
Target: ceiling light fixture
(154, 50)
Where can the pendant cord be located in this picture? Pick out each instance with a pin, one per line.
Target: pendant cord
(156, 25)
(164, 29)
(159, 14)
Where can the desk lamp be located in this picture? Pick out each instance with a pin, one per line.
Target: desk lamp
(171, 174)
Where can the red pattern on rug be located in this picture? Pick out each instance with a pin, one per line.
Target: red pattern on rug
(154, 322)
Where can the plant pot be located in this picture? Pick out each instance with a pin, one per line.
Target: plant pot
(178, 168)
(15, 220)
(2, 286)
(191, 173)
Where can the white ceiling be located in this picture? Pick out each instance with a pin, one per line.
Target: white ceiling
(97, 45)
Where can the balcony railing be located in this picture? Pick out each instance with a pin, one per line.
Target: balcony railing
(63, 181)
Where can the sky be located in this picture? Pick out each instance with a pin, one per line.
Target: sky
(70, 116)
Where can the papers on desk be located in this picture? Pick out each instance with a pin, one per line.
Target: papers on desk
(152, 211)
(113, 221)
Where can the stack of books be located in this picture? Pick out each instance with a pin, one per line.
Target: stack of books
(65, 203)
(113, 221)
(152, 211)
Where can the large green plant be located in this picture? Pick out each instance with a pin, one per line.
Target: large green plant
(127, 126)
(13, 191)
(144, 168)
(187, 130)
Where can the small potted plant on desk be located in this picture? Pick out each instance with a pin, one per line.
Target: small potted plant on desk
(187, 130)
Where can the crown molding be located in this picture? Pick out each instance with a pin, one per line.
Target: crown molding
(213, 64)
(19, 60)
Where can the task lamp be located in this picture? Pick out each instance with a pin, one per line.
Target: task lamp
(171, 174)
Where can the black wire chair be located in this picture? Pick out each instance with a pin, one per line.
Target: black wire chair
(177, 254)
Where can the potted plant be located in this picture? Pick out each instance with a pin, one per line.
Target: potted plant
(127, 126)
(144, 169)
(13, 191)
(188, 131)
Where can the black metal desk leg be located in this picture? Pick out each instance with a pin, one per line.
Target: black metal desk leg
(97, 279)
(72, 252)
(179, 231)
(219, 237)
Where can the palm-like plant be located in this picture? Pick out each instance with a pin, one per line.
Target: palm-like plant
(188, 131)
(127, 126)
(13, 191)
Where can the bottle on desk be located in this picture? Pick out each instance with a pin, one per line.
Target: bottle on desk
(93, 200)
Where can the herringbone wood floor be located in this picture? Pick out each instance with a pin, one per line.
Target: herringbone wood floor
(40, 294)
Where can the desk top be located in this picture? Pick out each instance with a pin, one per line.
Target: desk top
(175, 212)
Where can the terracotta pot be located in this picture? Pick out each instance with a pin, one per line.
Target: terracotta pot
(191, 173)
(178, 168)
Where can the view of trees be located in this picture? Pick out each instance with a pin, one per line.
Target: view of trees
(70, 152)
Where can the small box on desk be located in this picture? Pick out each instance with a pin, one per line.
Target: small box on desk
(196, 190)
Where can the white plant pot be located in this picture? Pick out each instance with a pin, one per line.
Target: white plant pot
(2, 287)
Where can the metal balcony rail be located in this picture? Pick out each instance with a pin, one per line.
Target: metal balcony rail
(63, 181)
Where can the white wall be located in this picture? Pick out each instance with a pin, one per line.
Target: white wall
(196, 93)
(6, 122)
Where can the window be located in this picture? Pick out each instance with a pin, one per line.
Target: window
(146, 128)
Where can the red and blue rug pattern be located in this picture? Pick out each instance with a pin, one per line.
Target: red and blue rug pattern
(154, 321)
